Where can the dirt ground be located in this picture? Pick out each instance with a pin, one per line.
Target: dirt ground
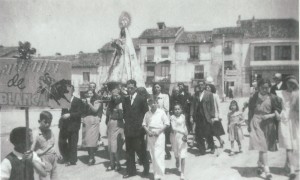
(218, 166)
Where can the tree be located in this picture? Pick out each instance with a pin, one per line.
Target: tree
(25, 50)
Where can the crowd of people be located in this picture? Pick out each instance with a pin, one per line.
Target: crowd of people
(148, 122)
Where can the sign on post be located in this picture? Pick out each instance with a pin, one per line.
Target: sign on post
(35, 83)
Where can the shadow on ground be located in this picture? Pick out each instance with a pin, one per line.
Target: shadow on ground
(172, 171)
(251, 172)
(248, 172)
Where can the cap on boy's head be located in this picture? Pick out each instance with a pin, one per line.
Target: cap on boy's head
(45, 115)
(278, 76)
(18, 135)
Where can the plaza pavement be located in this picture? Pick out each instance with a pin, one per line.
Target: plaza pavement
(218, 166)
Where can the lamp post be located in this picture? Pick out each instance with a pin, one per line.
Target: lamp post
(223, 68)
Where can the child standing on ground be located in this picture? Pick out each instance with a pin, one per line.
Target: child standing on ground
(235, 120)
(155, 122)
(44, 146)
(20, 163)
(179, 137)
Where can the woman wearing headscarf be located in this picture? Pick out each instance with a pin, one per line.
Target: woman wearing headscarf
(262, 125)
(288, 129)
(164, 104)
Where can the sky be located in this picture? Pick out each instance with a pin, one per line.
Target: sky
(70, 26)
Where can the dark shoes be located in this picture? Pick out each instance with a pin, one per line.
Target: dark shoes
(118, 167)
(110, 168)
(212, 151)
(70, 164)
(145, 174)
(92, 162)
(167, 156)
(61, 161)
(292, 176)
(268, 177)
(128, 176)
(259, 171)
(222, 144)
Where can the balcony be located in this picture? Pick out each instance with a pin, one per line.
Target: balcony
(274, 63)
(194, 59)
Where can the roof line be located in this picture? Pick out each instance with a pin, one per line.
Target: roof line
(270, 19)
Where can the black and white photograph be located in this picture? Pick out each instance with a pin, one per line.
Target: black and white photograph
(149, 89)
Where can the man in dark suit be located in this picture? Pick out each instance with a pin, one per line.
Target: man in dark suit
(278, 84)
(185, 98)
(202, 113)
(134, 107)
(69, 125)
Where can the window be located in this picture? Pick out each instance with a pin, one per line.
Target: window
(150, 73)
(262, 53)
(164, 52)
(86, 77)
(227, 47)
(165, 69)
(199, 72)
(228, 65)
(150, 40)
(150, 53)
(164, 40)
(297, 53)
(194, 52)
(283, 52)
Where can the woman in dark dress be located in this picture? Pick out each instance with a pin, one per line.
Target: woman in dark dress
(218, 129)
(262, 125)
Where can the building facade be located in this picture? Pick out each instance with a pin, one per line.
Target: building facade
(270, 46)
(193, 57)
(253, 49)
(157, 54)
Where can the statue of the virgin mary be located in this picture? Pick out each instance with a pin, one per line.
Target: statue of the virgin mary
(124, 65)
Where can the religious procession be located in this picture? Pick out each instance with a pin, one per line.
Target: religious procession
(216, 126)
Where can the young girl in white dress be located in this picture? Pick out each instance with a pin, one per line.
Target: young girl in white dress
(179, 137)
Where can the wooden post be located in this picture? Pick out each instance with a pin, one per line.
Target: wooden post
(223, 69)
(27, 140)
(27, 127)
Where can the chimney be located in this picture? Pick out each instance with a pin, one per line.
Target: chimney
(238, 22)
(253, 22)
(161, 25)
